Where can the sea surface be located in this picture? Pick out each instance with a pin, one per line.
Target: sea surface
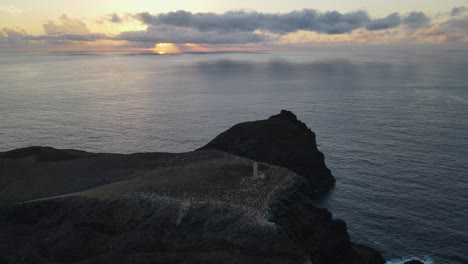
(392, 123)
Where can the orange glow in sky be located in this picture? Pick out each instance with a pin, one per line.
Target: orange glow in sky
(139, 25)
(166, 48)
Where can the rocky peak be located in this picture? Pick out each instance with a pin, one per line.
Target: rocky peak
(281, 140)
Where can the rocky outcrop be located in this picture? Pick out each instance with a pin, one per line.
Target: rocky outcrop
(280, 140)
(197, 207)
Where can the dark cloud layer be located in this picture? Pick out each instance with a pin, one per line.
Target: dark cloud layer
(71, 37)
(390, 21)
(182, 35)
(332, 22)
(251, 27)
(411, 20)
(416, 20)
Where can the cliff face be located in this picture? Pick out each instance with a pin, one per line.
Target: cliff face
(60, 206)
(280, 140)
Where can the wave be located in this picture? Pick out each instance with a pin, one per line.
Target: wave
(426, 260)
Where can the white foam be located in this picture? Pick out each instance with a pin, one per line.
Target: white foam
(426, 260)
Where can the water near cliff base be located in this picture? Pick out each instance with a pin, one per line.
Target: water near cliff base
(392, 123)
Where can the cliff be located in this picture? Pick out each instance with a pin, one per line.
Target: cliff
(205, 206)
(280, 140)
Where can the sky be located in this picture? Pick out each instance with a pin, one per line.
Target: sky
(232, 24)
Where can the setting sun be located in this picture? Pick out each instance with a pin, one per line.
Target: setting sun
(166, 48)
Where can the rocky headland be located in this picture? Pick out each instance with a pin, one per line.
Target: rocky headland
(205, 206)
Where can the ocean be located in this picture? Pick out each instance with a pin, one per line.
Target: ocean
(391, 121)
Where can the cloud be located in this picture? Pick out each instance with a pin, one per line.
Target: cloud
(390, 21)
(183, 35)
(11, 38)
(416, 20)
(456, 11)
(67, 26)
(71, 37)
(11, 9)
(332, 22)
(450, 26)
(459, 23)
(115, 18)
(411, 20)
(458, 19)
(12, 34)
(455, 30)
(250, 27)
